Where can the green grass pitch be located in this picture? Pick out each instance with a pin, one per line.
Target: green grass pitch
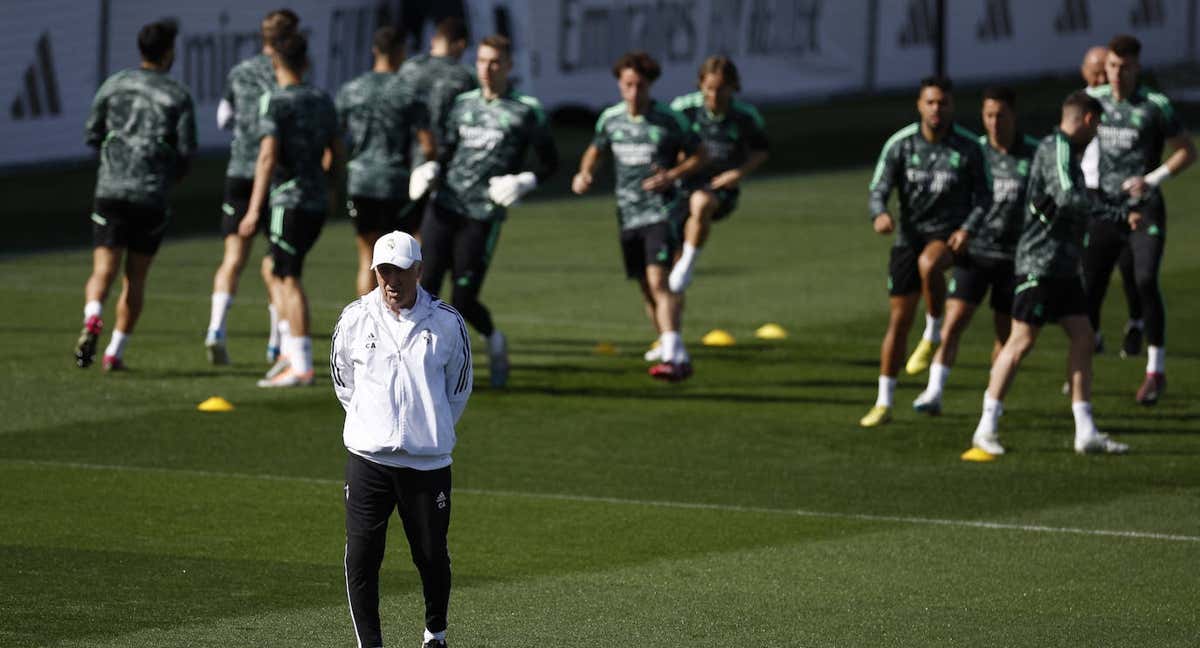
(594, 507)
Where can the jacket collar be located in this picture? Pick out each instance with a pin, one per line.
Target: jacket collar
(422, 308)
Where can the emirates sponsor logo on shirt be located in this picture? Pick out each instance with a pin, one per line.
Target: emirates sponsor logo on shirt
(633, 154)
(479, 137)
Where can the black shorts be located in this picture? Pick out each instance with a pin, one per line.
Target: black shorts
(904, 273)
(1048, 299)
(122, 224)
(237, 201)
(375, 216)
(648, 245)
(974, 276)
(293, 233)
(463, 245)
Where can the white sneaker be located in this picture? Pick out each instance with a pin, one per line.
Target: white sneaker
(289, 378)
(1098, 443)
(654, 354)
(928, 402)
(282, 364)
(498, 359)
(680, 278)
(988, 441)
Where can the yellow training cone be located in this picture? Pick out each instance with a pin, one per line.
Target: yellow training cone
(770, 331)
(717, 337)
(605, 348)
(977, 455)
(215, 404)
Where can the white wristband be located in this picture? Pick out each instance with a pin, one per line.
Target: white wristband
(1156, 177)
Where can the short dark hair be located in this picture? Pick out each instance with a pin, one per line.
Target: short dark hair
(1125, 45)
(639, 62)
(279, 23)
(156, 39)
(292, 51)
(722, 66)
(1003, 94)
(936, 81)
(452, 29)
(1083, 102)
(387, 39)
(499, 43)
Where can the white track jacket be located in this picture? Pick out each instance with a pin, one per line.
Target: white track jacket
(404, 380)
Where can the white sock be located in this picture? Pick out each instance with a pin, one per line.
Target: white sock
(92, 308)
(671, 346)
(1084, 426)
(688, 257)
(933, 329)
(1156, 359)
(276, 326)
(116, 346)
(938, 373)
(299, 352)
(430, 636)
(992, 409)
(282, 331)
(220, 306)
(887, 389)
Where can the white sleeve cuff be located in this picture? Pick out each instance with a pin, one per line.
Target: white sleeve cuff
(1156, 177)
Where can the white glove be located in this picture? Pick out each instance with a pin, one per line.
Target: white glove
(225, 115)
(421, 178)
(507, 189)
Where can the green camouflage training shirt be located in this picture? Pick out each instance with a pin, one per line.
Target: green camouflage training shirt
(941, 185)
(641, 146)
(1132, 135)
(488, 138)
(994, 234)
(144, 125)
(304, 121)
(436, 80)
(244, 86)
(1052, 245)
(378, 113)
(727, 139)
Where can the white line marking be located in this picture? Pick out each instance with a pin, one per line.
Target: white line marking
(730, 508)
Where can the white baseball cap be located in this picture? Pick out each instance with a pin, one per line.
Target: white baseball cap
(396, 248)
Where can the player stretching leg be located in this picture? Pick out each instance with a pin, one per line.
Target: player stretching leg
(647, 140)
(1138, 125)
(985, 246)
(938, 169)
(733, 136)
(299, 128)
(380, 114)
(247, 82)
(144, 126)
(1048, 269)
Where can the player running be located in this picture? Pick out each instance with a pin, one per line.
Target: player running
(647, 141)
(1048, 269)
(245, 85)
(1138, 125)
(380, 114)
(938, 169)
(298, 123)
(735, 140)
(986, 244)
(143, 124)
(488, 134)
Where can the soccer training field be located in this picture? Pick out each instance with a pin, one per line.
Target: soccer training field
(593, 506)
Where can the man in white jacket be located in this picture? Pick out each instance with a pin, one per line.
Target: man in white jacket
(401, 367)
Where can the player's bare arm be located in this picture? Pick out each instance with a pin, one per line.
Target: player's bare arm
(588, 164)
(268, 153)
(1182, 156)
(664, 179)
(734, 177)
